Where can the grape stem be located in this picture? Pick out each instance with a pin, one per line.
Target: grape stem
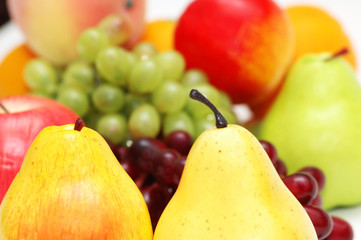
(4, 108)
(79, 124)
(341, 52)
(221, 122)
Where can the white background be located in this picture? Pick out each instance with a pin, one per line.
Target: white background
(348, 12)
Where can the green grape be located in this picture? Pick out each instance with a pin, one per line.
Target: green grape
(144, 121)
(178, 121)
(169, 97)
(75, 99)
(198, 109)
(202, 124)
(79, 75)
(172, 64)
(113, 63)
(194, 76)
(90, 42)
(112, 126)
(229, 115)
(225, 101)
(132, 59)
(108, 98)
(38, 94)
(208, 121)
(145, 77)
(116, 27)
(92, 117)
(133, 101)
(144, 50)
(40, 76)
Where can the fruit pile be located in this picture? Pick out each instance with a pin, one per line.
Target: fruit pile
(76, 190)
(141, 95)
(127, 94)
(137, 97)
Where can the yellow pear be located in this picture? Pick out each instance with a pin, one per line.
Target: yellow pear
(71, 186)
(230, 190)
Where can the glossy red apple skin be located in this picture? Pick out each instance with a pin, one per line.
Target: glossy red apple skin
(51, 28)
(245, 46)
(27, 116)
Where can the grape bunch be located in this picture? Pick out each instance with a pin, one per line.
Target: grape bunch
(156, 166)
(125, 94)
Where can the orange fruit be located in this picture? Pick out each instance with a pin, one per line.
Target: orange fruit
(160, 33)
(11, 71)
(318, 31)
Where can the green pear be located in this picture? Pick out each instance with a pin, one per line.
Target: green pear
(71, 186)
(230, 190)
(316, 120)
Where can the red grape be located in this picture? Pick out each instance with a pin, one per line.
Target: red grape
(163, 165)
(270, 150)
(281, 168)
(122, 154)
(178, 169)
(303, 186)
(132, 170)
(142, 152)
(341, 230)
(321, 220)
(148, 180)
(317, 201)
(317, 174)
(156, 197)
(179, 140)
(112, 146)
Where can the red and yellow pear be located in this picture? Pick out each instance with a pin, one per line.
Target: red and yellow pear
(71, 186)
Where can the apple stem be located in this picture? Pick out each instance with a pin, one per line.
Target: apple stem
(4, 108)
(79, 124)
(221, 122)
(341, 52)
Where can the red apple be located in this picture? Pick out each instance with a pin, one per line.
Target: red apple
(26, 117)
(245, 46)
(52, 28)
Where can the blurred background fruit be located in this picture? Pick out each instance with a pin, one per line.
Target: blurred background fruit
(316, 30)
(248, 58)
(161, 33)
(11, 71)
(52, 30)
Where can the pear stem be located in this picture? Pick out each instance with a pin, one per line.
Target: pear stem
(79, 124)
(341, 52)
(4, 108)
(221, 122)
